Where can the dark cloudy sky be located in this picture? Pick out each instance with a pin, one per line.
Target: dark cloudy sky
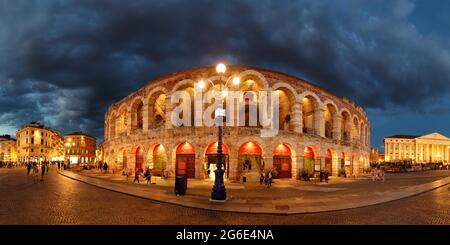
(64, 62)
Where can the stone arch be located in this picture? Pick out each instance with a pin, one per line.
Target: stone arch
(122, 120)
(285, 164)
(362, 137)
(157, 159)
(183, 83)
(330, 119)
(184, 154)
(311, 158)
(137, 114)
(122, 159)
(254, 73)
(156, 106)
(346, 125)
(311, 116)
(186, 86)
(331, 160)
(355, 128)
(209, 154)
(287, 99)
(112, 125)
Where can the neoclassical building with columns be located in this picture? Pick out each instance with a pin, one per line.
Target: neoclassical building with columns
(318, 130)
(430, 148)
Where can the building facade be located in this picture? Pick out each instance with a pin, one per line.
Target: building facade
(37, 143)
(318, 130)
(428, 148)
(80, 148)
(8, 149)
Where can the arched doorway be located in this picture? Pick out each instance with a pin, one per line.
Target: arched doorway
(185, 160)
(139, 164)
(309, 160)
(159, 158)
(124, 159)
(211, 159)
(342, 160)
(250, 163)
(282, 161)
(329, 162)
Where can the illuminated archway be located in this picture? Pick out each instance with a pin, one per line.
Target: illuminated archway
(157, 159)
(250, 163)
(329, 161)
(185, 160)
(139, 163)
(211, 159)
(282, 161)
(309, 159)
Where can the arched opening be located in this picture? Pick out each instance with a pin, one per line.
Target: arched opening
(329, 161)
(309, 160)
(123, 122)
(137, 121)
(282, 161)
(309, 108)
(249, 111)
(157, 110)
(139, 163)
(112, 126)
(355, 129)
(185, 160)
(187, 113)
(329, 115)
(122, 159)
(157, 159)
(345, 126)
(361, 133)
(250, 163)
(211, 160)
(286, 101)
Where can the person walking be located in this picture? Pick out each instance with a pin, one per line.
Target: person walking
(35, 172)
(136, 175)
(261, 178)
(148, 176)
(269, 182)
(42, 171)
(28, 168)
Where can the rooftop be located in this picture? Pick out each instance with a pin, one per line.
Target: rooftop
(402, 136)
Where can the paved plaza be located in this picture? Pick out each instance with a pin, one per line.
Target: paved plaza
(62, 200)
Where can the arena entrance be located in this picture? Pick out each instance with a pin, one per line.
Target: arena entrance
(185, 160)
(139, 159)
(250, 163)
(282, 161)
(159, 160)
(211, 158)
(329, 162)
(308, 160)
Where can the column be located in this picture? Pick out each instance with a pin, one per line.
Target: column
(394, 151)
(145, 116)
(169, 108)
(297, 117)
(337, 127)
(442, 153)
(416, 152)
(129, 113)
(319, 122)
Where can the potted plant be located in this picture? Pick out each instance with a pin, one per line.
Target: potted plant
(342, 173)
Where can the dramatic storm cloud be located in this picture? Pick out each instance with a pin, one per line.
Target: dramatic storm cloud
(64, 62)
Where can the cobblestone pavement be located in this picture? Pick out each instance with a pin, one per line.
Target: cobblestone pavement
(59, 200)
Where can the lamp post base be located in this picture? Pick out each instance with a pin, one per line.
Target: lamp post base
(218, 195)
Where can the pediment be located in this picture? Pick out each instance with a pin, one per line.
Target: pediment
(434, 136)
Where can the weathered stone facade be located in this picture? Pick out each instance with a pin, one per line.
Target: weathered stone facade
(335, 129)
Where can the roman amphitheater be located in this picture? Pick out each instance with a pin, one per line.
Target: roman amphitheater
(318, 130)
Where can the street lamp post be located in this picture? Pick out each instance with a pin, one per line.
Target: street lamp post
(218, 192)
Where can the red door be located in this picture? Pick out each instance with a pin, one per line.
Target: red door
(283, 166)
(139, 159)
(186, 165)
(328, 164)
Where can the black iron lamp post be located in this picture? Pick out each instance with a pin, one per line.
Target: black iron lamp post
(218, 192)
